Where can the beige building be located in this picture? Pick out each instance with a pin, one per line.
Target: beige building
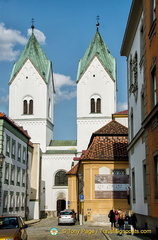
(100, 180)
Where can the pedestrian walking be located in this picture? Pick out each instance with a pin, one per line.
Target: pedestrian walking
(132, 220)
(121, 222)
(111, 216)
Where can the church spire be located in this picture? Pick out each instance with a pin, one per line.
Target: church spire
(32, 26)
(97, 23)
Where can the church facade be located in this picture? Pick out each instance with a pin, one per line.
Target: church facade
(31, 100)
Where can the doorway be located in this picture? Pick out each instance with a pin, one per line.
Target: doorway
(61, 205)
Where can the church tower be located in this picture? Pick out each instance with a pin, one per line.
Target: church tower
(96, 90)
(31, 91)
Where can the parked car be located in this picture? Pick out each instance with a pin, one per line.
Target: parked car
(12, 227)
(67, 216)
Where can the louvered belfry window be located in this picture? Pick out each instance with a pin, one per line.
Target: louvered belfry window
(95, 105)
(25, 107)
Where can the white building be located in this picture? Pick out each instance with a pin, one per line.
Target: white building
(132, 48)
(96, 90)
(31, 105)
(15, 165)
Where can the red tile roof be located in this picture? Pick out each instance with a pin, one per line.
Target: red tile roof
(122, 112)
(4, 116)
(108, 143)
(112, 128)
(73, 170)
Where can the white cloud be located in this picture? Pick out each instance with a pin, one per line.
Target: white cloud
(10, 38)
(65, 88)
(121, 106)
(39, 35)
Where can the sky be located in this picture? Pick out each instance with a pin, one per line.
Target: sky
(64, 28)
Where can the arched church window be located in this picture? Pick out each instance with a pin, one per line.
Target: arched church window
(95, 103)
(28, 105)
(61, 179)
(92, 105)
(31, 107)
(98, 105)
(25, 107)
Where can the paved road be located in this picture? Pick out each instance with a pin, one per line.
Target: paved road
(41, 231)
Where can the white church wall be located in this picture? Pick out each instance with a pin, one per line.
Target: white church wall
(51, 164)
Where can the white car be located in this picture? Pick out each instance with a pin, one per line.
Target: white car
(67, 216)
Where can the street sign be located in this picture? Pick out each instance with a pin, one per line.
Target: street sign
(81, 198)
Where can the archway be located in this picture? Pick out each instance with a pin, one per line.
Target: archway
(61, 205)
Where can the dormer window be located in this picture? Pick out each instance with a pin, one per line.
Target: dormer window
(28, 105)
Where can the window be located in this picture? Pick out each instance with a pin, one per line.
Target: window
(141, 42)
(98, 105)
(11, 201)
(31, 107)
(131, 72)
(156, 175)
(23, 177)
(153, 10)
(95, 103)
(144, 181)
(13, 148)
(92, 105)
(5, 201)
(133, 185)
(28, 105)
(18, 177)
(132, 125)
(153, 86)
(61, 179)
(24, 107)
(17, 201)
(6, 180)
(142, 106)
(22, 201)
(12, 177)
(19, 152)
(118, 172)
(24, 154)
(8, 146)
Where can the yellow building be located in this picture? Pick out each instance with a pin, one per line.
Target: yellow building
(100, 179)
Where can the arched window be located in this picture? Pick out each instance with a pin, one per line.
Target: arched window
(92, 105)
(31, 107)
(95, 104)
(98, 105)
(28, 105)
(61, 179)
(25, 107)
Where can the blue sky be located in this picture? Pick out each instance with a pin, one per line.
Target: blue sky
(64, 29)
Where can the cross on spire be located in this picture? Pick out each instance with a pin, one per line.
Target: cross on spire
(32, 26)
(97, 23)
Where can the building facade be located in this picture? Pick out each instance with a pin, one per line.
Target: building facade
(96, 90)
(16, 158)
(100, 180)
(140, 47)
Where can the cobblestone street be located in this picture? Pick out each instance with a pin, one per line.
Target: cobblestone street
(41, 231)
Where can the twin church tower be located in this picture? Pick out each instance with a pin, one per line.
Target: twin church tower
(31, 105)
(31, 92)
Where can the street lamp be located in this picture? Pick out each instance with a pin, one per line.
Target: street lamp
(2, 158)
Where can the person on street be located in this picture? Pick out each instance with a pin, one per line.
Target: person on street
(111, 216)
